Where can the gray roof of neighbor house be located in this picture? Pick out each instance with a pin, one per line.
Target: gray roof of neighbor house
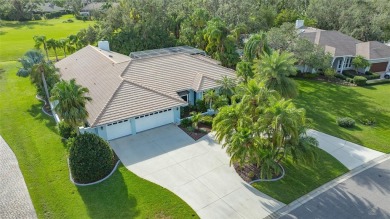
(49, 7)
(339, 44)
(373, 50)
(96, 6)
(122, 87)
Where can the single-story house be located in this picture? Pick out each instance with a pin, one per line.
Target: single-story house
(344, 48)
(94, 6)
(141, 92)
(48, 8)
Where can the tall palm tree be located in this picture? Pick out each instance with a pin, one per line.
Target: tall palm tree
(53, 44)
(274, 70)
(39, 41)
(256, 46)
(227, 85)
(244, 70)
(210, 96)
(71, 99)
(62, 43)
(42, 73)
(29, 59)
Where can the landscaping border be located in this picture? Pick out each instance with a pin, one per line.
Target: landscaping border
(92, 183)
(43, 107)
(270, 180)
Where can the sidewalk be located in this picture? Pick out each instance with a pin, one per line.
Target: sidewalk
(350, 154)
(15, 200)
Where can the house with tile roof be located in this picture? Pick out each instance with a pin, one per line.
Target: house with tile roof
(131, 95)
(344, 48)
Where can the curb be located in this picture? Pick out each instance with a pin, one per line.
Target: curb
(43, 110)
(270, 180)
(302, 200)
(93, 183)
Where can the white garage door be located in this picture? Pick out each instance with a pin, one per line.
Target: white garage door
(118, 129)
(153, 120)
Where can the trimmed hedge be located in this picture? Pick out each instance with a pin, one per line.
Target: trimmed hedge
(90, 158)
(340, 76)
(381, 81)
(207, 120)
(360, 80)
(346, 122)
(186, 122)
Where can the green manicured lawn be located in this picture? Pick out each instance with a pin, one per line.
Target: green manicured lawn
(42, 159)
(17, 37)
(324, 102)
(302, 179)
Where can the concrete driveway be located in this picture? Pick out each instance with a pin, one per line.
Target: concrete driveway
(196, 171)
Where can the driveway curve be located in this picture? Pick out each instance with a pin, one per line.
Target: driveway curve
(197, 171)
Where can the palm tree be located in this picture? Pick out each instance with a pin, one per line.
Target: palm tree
(39, 41)
(244, 70)
(227, 85)
(53, 44)
(274, 69)
(195, 119)
(72, 43)
(29, 59)
(71, 99)
(210, 96)
(62, 43)
(42, 73)
(262, 129)
(256, 46)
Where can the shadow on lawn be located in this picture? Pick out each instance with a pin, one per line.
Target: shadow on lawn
(36, 112)
(323, 101)
(28, 24)
(109, 199)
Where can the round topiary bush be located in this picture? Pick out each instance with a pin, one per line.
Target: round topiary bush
(346, 122)
(90, 158)
(360, 80)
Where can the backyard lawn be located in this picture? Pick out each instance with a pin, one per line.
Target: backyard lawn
(17, 37)
(42, 159)
(324, 102)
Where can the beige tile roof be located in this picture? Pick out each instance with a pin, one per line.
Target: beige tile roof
(122, 87)
(172, 73)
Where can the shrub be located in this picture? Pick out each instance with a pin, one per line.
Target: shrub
(36, 17)
(348, 73)
(201, 106)
(65, 130)
(186, 122)
(346, 122)
(340, 76)
(372, 76)
(350, 80)
(330, 73)
(190, 129)
(368, 120)
(90, 158)
(376, 82)
(368, 73)
(207, 120)
(360, 80)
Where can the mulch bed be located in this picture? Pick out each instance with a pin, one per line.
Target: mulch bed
(249, 172)
(197, 133)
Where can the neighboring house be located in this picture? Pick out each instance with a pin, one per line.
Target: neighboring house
(344, 48)
(131, 95)
(48, 8)
(94, 6)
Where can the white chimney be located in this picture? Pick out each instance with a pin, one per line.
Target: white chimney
(299, 23)
(104, 45)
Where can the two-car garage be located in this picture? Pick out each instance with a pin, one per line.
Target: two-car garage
(144, 122)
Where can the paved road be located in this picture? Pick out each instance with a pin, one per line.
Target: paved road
(365, 195)
(196, 171)
(15, 200)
